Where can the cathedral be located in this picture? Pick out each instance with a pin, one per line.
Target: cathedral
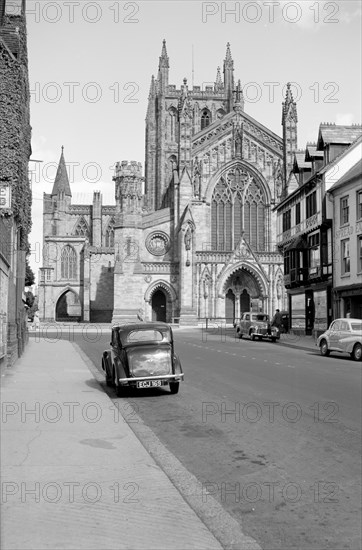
(192, 237)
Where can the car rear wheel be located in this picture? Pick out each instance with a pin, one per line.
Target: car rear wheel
(324, 348)
(273, 339)
(357, 352)
(239, 334)
(174, 387)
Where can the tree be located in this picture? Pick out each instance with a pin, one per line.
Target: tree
(29, 274)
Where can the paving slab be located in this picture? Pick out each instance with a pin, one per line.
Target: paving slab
(74, 475)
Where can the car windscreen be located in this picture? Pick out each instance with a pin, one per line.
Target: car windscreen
(149, 361)
(356, 327)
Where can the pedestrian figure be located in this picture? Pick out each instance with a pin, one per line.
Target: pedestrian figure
(36, 320)
(277, 320)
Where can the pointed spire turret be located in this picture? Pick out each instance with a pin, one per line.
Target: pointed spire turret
(229, 77)
(164, 62)
(152, 88)
(61, 182)
(289, 106)
(228, 58)
(163, 67)
(218, 82)
(290, 131)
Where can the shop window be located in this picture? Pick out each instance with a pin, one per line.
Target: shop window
(344, 215)
(346, 263)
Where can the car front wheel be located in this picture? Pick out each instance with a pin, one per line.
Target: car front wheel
(174, 387)
(324, 348)
(357, 352)
(252, 336)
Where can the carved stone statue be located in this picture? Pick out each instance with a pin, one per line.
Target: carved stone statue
(196, 181)
(188, 238)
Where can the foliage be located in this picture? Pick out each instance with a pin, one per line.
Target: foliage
(29, 275)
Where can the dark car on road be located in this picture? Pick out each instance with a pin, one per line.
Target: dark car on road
(256, 325)
(142, 356)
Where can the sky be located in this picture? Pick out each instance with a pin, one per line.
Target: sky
(90, 68)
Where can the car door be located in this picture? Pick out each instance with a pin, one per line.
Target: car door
(345, 333)
(334, 335)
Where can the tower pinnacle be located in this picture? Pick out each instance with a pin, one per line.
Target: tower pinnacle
(164, 61)
(61, 182)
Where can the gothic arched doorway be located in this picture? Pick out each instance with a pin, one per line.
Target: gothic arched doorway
(158, 304)
(244, 301)
(68, 307)
(245, 288)
(230, 306)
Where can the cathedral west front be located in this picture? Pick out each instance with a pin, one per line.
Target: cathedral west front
(191, 237)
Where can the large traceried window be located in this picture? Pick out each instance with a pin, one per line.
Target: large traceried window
(238, 204)
(68, 263)
(109, 237)
(82, 229)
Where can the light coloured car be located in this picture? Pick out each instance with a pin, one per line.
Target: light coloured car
(343, 336)
(256, 325)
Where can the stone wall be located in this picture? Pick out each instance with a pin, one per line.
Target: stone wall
(15, 153)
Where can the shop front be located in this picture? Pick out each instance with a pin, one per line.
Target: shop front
(348, 301)
(310, 311)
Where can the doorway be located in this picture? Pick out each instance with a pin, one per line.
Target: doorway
(244, 302)
(158, 304)
(230, 306)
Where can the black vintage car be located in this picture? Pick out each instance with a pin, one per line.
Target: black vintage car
(142, 356)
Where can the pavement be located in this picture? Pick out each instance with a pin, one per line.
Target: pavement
(74, 474)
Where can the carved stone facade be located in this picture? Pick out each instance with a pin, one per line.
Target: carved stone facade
(196, 236)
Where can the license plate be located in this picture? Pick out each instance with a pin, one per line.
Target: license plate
(149, 384)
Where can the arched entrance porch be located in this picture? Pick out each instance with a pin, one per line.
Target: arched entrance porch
(160, 302)
(242, 291)
(68, 307)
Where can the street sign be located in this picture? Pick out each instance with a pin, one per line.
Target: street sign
(5, 196)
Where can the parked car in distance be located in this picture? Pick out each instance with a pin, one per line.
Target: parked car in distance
(142, 356)
(343, 336)
(256, 325)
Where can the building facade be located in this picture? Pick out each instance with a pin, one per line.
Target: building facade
(346, 195)
(15, 191)
(308, 231)
(193, 237)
